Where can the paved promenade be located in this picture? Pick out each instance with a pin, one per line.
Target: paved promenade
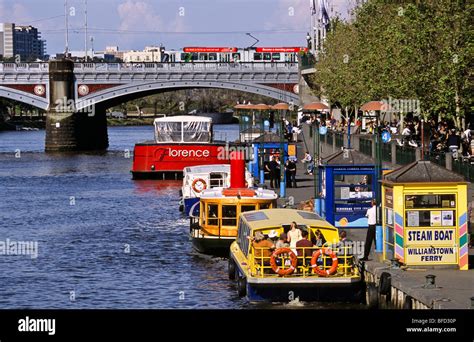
(454, 288)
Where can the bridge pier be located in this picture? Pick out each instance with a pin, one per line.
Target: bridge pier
(66, 128)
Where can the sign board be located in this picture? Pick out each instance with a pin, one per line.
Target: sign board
(426, 246)
(386, 137)
(292, 150)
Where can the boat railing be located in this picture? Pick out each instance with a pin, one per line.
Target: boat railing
(260, 262)
(215, 226)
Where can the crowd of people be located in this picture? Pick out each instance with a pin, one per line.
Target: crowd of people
(438, 136)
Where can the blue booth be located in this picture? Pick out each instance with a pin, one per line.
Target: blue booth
(347, 184)
(265, 146)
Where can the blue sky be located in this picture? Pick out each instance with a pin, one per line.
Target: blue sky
(132, 24)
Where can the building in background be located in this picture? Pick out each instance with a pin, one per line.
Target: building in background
(149, 55)
(22, 41)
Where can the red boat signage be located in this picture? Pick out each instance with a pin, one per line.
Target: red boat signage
(165, 158)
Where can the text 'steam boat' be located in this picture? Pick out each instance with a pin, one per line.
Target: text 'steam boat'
(180, 141)
(326, 273)
(196, 179)
(213, 231)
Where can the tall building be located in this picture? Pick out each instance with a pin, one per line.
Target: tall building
(24, 41)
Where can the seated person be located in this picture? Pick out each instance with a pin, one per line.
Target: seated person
(319, 239)
(262, 249)
(304, 254)
(282, 241)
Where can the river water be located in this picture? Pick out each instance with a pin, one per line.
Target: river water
(103, 240)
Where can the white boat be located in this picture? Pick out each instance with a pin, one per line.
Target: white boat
(196, 179)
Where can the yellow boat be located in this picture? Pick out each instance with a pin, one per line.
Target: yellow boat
(326, 273)
(215, 228)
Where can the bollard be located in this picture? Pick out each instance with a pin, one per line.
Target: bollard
(472, 302)
(449, 161)
(430, 281)
(394, 263)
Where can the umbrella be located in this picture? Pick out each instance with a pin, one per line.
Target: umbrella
(315, 106)
(374, 105)
(281, 106)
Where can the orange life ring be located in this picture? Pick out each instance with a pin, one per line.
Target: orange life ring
(276, 268)
(193, 185)
(319, 271)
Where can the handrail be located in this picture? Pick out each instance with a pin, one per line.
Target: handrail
(157, 66)
(260, 266)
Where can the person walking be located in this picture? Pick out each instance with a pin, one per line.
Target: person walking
(372, 221)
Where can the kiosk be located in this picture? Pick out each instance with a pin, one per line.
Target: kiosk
(347, 184)
(425, 216)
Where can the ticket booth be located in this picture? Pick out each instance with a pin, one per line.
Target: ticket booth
(347, 184)
(424, 216)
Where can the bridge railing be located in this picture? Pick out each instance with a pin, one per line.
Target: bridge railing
(156, 67)
(198, 66)
(24, 67)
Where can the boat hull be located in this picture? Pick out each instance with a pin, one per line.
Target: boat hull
(191, 206)
(167, 161)
(212, 245)
(320, 292)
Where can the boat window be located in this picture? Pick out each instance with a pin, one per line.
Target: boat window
(257, 56)
(229, 214)
(245, 208)
(242, 236)
(213, 56)
(267, 56)
(203, 56)
(196, 131)
(212, 214)
(216, 179)
(265, 205)
(167, 131)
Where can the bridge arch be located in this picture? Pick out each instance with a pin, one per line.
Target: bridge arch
(23, 97)
(131, 91)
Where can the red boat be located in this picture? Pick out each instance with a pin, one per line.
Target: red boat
(180, 141)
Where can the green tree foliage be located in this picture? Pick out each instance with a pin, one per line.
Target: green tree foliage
(402, 50)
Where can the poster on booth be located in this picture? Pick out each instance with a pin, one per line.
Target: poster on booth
(431, 246)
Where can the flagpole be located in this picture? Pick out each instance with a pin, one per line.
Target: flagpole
(67, 28)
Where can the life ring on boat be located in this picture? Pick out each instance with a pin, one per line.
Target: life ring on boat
(314, 264)
(276, 268)
(195, 182)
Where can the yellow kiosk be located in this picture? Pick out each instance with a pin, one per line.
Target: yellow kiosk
(424, 216)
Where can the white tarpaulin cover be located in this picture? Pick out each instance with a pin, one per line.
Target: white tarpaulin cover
(183, 128)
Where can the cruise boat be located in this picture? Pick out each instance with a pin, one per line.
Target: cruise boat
(324, 273)
(180, 141)
(196, 179)
(213, 231)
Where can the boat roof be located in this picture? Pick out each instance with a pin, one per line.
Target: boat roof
(259, 194)
(207, 168)
(184, 118)
(265, 218)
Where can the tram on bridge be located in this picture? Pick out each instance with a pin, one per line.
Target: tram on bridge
(233, 54)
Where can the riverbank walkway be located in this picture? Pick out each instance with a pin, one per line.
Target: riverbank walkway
(453, 288)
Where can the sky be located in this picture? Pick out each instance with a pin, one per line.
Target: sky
(133, 24)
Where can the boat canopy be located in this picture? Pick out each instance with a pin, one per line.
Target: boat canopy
(183, 128)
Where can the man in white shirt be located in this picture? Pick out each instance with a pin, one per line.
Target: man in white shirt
(372, 221)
